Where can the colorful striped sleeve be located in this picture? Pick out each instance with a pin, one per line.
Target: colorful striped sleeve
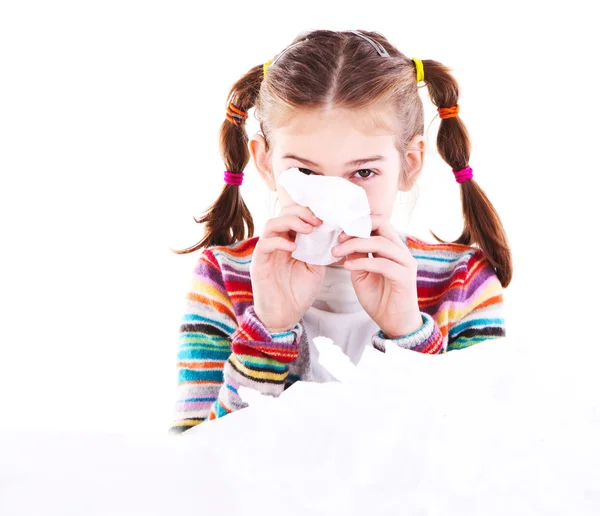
(480, 314)
(216, 355)
(473, 315)
(261, 359)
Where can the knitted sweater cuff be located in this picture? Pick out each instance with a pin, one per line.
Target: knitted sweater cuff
(427, 339)
(260, 359)
(252, 337)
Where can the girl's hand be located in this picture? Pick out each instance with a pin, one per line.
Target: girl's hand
(386, 285)
(283, 287)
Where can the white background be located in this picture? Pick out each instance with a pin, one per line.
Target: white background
(109, 118)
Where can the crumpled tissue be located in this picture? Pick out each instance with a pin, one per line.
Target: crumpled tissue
(341, 205)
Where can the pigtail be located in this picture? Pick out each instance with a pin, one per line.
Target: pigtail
(227, 218)
(482, 225)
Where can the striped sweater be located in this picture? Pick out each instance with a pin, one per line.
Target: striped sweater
(223, 344)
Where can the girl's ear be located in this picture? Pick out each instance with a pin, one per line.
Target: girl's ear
(415, 157)
(257, 145)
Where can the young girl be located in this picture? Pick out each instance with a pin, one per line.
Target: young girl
(329, 104)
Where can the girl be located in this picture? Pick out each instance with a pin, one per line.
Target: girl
(329, 104)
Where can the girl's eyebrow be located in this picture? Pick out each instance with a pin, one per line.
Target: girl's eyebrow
(353, 163)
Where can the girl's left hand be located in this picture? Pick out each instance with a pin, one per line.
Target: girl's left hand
(385, 285)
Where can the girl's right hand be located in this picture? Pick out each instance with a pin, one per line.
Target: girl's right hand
(283, 287)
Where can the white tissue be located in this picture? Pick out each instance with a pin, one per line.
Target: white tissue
(341, 205)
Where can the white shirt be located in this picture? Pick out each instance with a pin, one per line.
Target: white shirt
(337, 314)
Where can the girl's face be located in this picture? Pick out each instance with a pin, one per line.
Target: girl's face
(326, 143)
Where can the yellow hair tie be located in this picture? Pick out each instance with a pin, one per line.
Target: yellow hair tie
(420, 70)
(265, 66)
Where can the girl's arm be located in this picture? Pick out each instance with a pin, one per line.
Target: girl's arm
(473, 315)
(427, 339)
(216, 355)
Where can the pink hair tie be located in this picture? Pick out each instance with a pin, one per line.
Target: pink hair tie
(463, 175)
(234, 178)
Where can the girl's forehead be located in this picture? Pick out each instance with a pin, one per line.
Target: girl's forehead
(334, 150)
(319, 123)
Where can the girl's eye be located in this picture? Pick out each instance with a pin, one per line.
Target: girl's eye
(363, 177)
(369, 171)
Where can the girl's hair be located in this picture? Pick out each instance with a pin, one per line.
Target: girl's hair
(330, 69)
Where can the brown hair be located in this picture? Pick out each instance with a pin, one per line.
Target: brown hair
(329, 69)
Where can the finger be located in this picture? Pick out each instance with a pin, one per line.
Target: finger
(351, 254)
(303, 212)
(357, 256)
(272, 244)
(285, 224)
(377, 245)
(342, 237)
(384, 227)
(383, 266)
